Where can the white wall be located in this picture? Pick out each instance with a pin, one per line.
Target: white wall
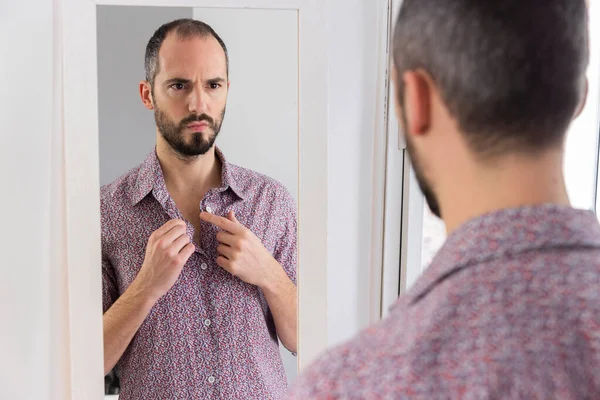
(33, 314)
(352, 37)
(581, 146)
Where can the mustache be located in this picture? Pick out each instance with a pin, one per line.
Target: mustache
(197, 118)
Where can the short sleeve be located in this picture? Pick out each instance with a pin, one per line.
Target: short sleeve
(109, 285)
(286, 248)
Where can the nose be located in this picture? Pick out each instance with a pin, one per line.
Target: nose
(198, 103)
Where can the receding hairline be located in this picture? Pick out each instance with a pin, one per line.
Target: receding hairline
(184, 28)
(205, 36)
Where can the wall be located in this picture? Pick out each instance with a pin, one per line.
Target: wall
(34, 346)
(127, 128)
(352, 37)
(581, 150)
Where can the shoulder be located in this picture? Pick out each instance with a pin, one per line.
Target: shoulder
(347, 370)
(254, 184)
(117, 194)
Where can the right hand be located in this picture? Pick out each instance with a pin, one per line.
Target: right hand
(168, 250)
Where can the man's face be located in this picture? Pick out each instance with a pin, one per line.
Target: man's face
(189, 94)
(415, 159)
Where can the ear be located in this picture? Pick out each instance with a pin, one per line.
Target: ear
(583, 100)
(146, 95)
(417, 102)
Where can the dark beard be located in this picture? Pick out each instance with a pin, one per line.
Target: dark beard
(430, 197)
(174, 136)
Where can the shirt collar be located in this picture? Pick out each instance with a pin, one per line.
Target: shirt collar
(507, 233)
(150, 178)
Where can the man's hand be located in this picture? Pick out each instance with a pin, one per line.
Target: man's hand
(242, 254)
(168, 250)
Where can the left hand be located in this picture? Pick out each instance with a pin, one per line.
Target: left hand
(241, 253)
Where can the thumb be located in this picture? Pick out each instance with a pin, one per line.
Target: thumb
(231, 217)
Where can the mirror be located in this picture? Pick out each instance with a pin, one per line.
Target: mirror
(211, 334)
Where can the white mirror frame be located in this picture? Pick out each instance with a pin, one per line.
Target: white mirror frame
(76, 22)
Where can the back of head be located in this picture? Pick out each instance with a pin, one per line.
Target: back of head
(511, 72)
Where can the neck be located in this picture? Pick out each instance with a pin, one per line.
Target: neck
(188, 176)
(513, 181)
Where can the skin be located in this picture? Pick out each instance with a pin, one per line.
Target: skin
(465, 184)
(192, 81)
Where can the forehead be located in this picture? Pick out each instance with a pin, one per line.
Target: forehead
(191, 56)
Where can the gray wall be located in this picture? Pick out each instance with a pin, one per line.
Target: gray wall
(127, 129)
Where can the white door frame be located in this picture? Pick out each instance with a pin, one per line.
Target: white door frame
(381, 143)
(402, 201)
(389, 170)
(81, 165)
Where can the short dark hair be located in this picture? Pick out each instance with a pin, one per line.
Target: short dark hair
(185, 28)
(511, 72)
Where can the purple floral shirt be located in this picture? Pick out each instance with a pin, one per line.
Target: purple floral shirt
(508, 309)
(212, 335)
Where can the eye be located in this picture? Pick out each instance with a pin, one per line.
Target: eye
(178, 86)
(215, 85)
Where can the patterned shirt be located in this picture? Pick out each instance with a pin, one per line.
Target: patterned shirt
(212, 335)
(509, 308)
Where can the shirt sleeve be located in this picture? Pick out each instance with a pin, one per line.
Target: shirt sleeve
(286, 247)
(110, 289)
(109, 285)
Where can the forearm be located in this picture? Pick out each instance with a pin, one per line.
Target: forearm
(122, 321)
(282, 296)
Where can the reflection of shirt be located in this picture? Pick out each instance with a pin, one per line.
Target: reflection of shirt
(509, 308)
(212, 335)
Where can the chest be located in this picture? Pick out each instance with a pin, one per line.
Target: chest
(124, 244)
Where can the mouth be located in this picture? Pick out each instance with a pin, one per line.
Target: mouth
(198, 125)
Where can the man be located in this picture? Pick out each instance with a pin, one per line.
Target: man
(510, 306)
(194, 301)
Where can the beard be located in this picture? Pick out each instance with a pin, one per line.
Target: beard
(424, 185)
(173, 133)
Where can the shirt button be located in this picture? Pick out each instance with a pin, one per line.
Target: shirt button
(203, 266)
(211, 379)
(207, 322)
(209, 209)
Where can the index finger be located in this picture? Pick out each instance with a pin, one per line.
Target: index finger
(166, 228)
(221, 222)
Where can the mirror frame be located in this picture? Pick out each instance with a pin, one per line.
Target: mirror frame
(78, 83)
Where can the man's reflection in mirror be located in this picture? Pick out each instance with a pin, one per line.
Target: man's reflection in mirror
(198, 254)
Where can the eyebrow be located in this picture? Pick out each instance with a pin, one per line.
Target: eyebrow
(177, 80)
(216, 80)
(171, 81)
